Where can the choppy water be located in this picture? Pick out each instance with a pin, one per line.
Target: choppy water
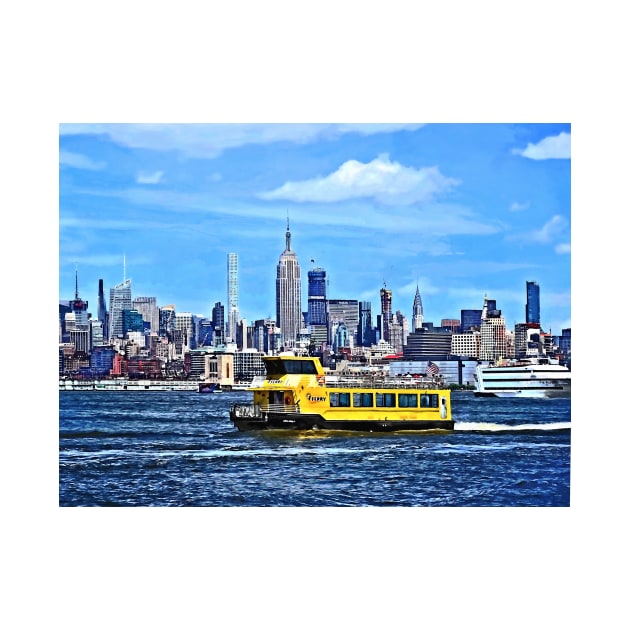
(180, 449)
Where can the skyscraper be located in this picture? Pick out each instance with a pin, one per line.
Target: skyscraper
(119, 300)
(365, 332)
(532, 307)
(418, 314)
(386, 312)
(232, 296)
(102, 310)
(147, 307)
(218, 323)
(288, 294)
(346, 311)
(317, 306)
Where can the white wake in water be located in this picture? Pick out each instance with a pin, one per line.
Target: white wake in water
(494, 426)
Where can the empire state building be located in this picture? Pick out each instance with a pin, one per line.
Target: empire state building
(288, 294)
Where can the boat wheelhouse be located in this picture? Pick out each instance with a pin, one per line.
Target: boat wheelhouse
(296, 394)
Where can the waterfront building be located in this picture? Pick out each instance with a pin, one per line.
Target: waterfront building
(219, 369)
(495, 343)
(232, 297)
(197, 362)
(147, 307)
(453, 371)
(466, 344)
(288, 294)
(386, 312)
(532, 306)
(418, 313)
(425, 344)
(101, 360)
(119, 300)
(493, 339)
(247, 365)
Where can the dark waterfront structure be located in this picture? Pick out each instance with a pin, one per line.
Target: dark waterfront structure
(532, 307)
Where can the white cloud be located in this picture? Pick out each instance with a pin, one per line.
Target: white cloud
(552, 147)
(550, 230)
(76, 160)
(209, 140)
(563, 248)
(385, 181)
(149, 178)
(518, 207)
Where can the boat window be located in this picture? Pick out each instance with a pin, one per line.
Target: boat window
(363, 400)
(385, 400)
(293, 366)
(274, 366)
(407, 400)
(428, 400)
(339, 399)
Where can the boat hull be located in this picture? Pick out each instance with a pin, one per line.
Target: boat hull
(307, 422)
(547, 392)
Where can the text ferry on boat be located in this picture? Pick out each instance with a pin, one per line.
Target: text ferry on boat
(295, 395)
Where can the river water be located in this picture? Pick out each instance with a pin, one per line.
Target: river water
(180, 449)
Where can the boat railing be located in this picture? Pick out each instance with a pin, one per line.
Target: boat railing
(256, 410)
(385, 383)
(279, 408)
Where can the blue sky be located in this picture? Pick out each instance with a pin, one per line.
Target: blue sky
(462, 210)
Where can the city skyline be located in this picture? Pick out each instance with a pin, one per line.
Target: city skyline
(458, 210)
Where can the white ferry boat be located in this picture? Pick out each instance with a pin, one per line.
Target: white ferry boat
(530, 377)
(120, 384)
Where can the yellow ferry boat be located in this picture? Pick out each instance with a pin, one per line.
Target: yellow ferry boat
(296, 395)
